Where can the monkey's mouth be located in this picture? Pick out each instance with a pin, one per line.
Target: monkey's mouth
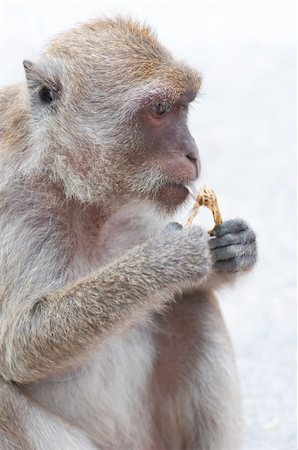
(172, 194)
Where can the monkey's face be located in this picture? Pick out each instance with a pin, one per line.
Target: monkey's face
(153, 155)
(168, 148)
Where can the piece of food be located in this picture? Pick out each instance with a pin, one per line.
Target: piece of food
(206, 197)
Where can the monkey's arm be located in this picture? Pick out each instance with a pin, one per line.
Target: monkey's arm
(43, 336)
(233, 250)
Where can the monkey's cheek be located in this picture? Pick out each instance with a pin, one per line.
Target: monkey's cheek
(172, 195)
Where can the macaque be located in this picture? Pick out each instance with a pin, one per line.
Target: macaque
(111, 336)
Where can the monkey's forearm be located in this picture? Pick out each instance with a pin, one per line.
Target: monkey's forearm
(47, 336)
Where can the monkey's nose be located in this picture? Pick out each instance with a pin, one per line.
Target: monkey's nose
(192, 154)
(195, 162)
(192, 158)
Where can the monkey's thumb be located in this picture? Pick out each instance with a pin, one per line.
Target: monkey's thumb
(172, 226)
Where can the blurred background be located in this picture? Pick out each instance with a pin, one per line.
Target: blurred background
(245, 125)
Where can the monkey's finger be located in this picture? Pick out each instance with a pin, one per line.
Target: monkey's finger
(244, 262)
(228, 227)
(172, 226)
(243, 237)
(231, 251)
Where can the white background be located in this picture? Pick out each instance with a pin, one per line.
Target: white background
(244, 123)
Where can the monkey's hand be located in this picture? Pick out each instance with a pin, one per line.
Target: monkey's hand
(182, 255)
(233, 247)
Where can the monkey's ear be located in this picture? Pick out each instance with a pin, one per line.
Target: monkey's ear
(44, 82)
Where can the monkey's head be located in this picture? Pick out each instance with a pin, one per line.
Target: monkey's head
(109, 107)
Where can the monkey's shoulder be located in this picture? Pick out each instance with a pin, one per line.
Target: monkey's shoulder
(14, 117)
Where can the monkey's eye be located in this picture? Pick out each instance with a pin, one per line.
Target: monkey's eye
(45, 95)
(161, 108)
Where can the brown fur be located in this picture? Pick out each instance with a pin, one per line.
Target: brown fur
(15, 117)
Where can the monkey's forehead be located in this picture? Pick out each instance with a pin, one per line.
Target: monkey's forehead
(122, 50)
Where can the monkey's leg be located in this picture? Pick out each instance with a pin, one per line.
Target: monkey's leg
(196, 388)
(26, 426)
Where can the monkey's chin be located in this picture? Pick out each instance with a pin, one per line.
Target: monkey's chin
(172, 194)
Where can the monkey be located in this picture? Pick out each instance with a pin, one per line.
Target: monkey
(111, 333)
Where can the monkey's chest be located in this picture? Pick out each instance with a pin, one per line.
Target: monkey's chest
(124, 230)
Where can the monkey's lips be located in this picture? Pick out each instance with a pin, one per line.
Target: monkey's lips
(172, 194)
